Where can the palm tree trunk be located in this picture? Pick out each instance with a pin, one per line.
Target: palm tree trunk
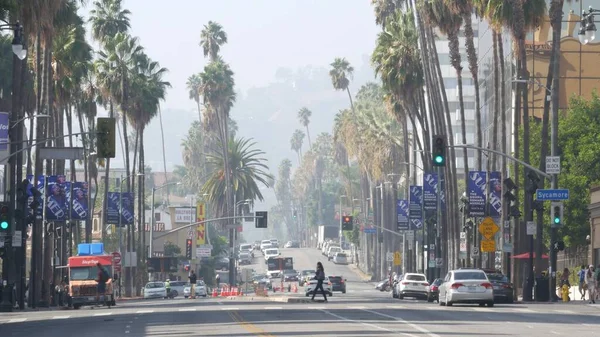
(308, 136)
(350, 98)
(473, 67)
(162, 135)
(497, 99)
(126, 145)
(49, 242)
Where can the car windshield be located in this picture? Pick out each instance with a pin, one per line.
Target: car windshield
(341, 255)
(335, 278)
(260, 277)
(154, 285)
(437, 282)
(415, 277)
(271, 252)
(469, 275)
(497, 277)
(308, 272)
(290, 271)
(86, 273)
(264, 242)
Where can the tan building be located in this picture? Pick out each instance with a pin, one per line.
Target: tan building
(594, 247)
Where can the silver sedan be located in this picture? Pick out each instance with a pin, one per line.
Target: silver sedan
(466, 286)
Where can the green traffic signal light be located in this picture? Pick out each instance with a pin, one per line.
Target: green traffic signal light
(556, 220)
(439, 150)
(4, 218)
(4, 225)
(439, 159)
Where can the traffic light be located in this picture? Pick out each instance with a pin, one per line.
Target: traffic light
(439, 151)
(105, 137)
(347, 223)
(557, 214)
(5, 220)
(188, 249)
(295, 214)
(261, 219)
(558, 246)
(187, 267)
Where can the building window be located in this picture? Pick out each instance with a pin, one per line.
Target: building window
(450, 83)
(444, 58)
(454, 106)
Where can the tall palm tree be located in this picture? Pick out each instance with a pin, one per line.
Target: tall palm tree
(248, 171)
(108, 18)
(212, 38)
(193, 85)
(340, 73)
(296, 143)
(304, 117)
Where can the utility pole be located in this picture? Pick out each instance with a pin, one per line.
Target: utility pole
(554, 152)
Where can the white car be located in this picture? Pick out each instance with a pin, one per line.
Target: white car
(271, 252)
(155, 290)
(200, 289)
(312, 284)
(340, 258)
(412, 285)
(275, 242)
(288, 244)
(265, 243)
(332, 251)
(466, 286)
(177, 288)
(247, 248)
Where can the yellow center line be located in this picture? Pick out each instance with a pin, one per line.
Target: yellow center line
(248, 326)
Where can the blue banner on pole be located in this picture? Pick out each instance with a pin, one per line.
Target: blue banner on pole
(79, 203)
(57, 204)
(430, 191)
(4, 128)
(402, 212)
(415, 207)
(113, 207)
(495, 196)
(476, 185)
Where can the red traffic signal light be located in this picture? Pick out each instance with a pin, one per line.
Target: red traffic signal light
(346, 219)
(347, 223)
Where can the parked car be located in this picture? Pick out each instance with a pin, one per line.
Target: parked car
(177, 288)
(200, 289)
(340, 258)
(503, 289)
(338, 283)
(155, 290)
(466, 286)
(292, 244)
(412, 285)
(309, 289)
(384, 285)
(434, 292)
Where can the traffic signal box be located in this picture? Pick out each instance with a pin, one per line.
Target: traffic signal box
(557, 214)
(6, 224)
(439, 151)
(105, 137)
(347, 223)
(188, 249)
(261, 219)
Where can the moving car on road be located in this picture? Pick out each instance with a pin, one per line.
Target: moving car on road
(466, 286)
(503, 289)
(412, 285)
(264, 244)
(434, 291)
(155, 290)
(271, 252)
(312, 284)
(340, 258)
(200, 289)
(332, 251)
(246, 247)
(244, 258)
(303, 275)
(290, 275)
(338, 283)
(292, 244)
(275, 242)
(262, 279)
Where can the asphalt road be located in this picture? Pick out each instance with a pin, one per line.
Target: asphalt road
(361, 312)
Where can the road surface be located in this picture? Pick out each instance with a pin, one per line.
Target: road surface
(363, 311)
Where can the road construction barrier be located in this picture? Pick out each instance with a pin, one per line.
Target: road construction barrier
(214, 292)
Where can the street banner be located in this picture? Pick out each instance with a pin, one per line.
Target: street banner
(79, 203)
(126, 210)
(57, 204)
(476, 185)
(402, 214)
(201, 228)
(415, 206)
(4, 128)
(495, 196)
(430, 181)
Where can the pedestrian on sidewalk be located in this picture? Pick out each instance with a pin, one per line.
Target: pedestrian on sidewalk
(591, 283)
(582, 284)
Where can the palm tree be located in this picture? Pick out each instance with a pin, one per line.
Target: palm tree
(304, 118)
(193, 85)
(108, 18)
(296, 143)
(211, 39)
(248, 171)
(340, 73)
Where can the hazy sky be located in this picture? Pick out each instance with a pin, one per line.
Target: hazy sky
(263, 36)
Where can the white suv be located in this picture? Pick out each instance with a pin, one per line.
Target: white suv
(412, 285)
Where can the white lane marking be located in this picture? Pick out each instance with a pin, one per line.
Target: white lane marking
(523, 310)
(395, 306)
(316, 308)
(412, 325)
(17, 320)
(60, 317)
(554, 332)
(357, 308)
(481, 309)
(529, 326)
(103, 314)
(145, 312)
(187, 309)
(230, 308)
(570, 312)
(273, 308)
(366, 324)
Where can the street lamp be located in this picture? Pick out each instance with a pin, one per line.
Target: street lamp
(154, 189)
(17, 43)
(28, 117)
(587, 31)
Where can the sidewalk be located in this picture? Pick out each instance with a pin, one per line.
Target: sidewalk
(364, 276)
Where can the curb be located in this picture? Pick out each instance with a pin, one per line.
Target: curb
(290, 300)
(365, 277)
(128, 298)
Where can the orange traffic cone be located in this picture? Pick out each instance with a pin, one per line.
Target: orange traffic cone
(214, 293)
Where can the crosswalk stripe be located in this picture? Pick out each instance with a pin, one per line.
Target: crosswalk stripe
(229, 308)
(273, 308)
(188, 309)
(17, 320)
(103, 314)
(395, 306)
(357, 308)
(145, 312)
(316, 308)
(60, 317)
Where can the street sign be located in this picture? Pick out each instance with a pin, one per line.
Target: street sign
(474, 251)
(439, 262)
(552, 195)
(397, 259)
(203, 252)
(410, 236)
(488, 228)
(370, 230)
(488, 246)
(553, 164)
(117, 261)
(463, 246)
(531, 228)
(389, 257)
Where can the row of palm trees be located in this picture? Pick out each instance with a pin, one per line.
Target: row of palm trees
(66, 79)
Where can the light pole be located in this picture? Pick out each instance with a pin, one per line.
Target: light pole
(28, 117)
(341, 216)
(587, 31)
(232, 259)
(154, 189)
(120, 220)
(17, 43)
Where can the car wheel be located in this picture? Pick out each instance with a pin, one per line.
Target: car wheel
(490, 304)
(429, 299)
(174, 293)
(448, 303)
(400, 296)
(394, 295)
(76, 306)
(344, 291)
(442, 304)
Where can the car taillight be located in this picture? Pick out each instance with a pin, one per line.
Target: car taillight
(405, 283)
(434, 288)
(507, 286)
(487, 285)
(456, 285)
(329, 283)
(425, 284)
(342, 281)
